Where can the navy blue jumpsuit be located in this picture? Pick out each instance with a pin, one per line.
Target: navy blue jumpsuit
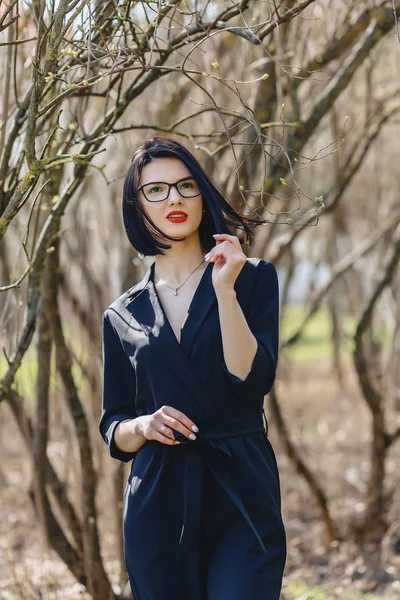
(202, 519)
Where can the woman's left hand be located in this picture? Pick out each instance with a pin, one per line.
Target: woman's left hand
(229, 260)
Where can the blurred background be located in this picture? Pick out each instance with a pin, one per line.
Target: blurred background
(292, 107)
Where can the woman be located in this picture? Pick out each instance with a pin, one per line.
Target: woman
(189, 353)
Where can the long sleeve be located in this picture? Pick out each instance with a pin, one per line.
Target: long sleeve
(263, 321)
(119, 389)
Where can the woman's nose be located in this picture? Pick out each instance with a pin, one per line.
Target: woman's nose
(174, 195)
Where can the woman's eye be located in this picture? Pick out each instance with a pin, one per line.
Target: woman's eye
(156, 188)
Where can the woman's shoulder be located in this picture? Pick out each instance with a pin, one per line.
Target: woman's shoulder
(118, 308)
(264, 274)
(256, 261)
(119, 304)
(260, 265)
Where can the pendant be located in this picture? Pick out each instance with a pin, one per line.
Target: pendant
(176, 293)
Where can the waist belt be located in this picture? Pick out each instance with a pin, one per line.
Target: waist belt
(210, 449)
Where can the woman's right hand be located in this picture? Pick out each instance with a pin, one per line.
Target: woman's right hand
(159, 425)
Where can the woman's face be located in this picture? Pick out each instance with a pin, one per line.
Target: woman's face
(170, 170)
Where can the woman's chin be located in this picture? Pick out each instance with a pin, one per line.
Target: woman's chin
(179, 230)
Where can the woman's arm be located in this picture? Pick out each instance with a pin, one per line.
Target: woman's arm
(239, 344)
(251, 347)
(127, 435)
(119, 392)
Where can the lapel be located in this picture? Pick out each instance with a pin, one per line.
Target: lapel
(144, 306)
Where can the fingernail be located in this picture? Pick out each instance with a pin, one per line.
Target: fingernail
(192, 436)
(194, 428)
(216, 234)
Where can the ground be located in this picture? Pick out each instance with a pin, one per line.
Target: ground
(330, 427)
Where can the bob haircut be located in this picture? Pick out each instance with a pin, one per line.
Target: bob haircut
(219, 216)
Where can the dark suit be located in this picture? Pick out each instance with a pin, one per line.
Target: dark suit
(202, 519)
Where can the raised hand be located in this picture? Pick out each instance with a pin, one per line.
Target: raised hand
(229, 259)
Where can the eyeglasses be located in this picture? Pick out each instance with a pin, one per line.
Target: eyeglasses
(157, 191)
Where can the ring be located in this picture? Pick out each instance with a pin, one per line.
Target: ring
(163, 429)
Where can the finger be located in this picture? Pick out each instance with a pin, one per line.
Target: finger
(217, 254)
(163, 428)
(178, 426)
(210, 254)
(227, 252)
(231, 238)
(159, 437)
(179, 416)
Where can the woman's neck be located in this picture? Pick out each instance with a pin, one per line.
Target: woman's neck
(175, 266)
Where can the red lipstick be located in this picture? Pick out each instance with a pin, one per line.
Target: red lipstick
(177, 216)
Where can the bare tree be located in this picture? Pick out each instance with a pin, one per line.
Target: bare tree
(81, 81)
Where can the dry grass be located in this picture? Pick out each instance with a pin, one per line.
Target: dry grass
(331, 429)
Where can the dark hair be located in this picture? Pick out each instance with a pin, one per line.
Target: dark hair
(219, 216)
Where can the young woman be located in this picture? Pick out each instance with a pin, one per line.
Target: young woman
(189, 353)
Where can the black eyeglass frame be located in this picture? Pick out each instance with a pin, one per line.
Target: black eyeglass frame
(170, 185)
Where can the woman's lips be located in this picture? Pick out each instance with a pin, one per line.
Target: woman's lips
(177, 218)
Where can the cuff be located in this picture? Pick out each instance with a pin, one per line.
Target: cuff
(115, 452)
(260, 378)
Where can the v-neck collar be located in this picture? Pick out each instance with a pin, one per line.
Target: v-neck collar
(143, 303)
(192, 305)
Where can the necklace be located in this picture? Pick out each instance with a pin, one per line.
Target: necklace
(179, 286)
